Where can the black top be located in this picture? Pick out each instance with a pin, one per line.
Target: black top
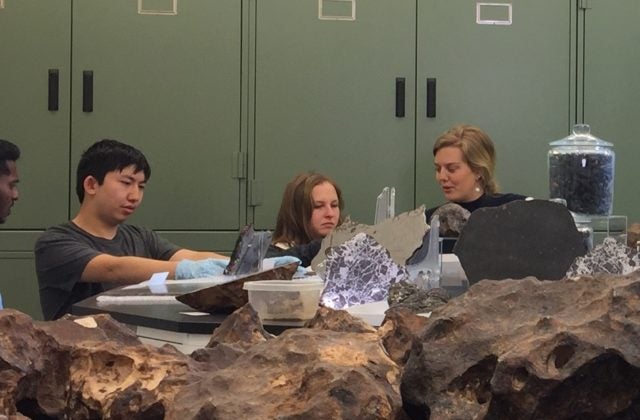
(494, 200)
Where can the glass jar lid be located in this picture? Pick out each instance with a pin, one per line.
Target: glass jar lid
(581, 136)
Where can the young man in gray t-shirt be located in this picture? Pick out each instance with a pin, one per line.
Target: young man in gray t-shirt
(74, 259)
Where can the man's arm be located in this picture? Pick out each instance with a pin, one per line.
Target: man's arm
(131, 270)
(187, 254)
(127, 270)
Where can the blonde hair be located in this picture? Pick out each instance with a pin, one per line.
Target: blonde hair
(478, 152)
(293, 223)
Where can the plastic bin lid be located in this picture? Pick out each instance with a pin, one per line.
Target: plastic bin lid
(283, 285)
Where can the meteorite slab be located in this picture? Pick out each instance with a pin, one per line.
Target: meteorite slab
(608, 257)
(249, 251)
(401, 235)
(339, 321)
(519, 239)
(359, 271)
(228, 297)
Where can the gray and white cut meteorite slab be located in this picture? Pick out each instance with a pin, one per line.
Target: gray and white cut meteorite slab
(359, 271)
(608, 257)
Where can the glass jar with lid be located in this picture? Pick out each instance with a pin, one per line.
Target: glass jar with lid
(581, 171)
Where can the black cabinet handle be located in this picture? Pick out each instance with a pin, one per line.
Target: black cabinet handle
(431, 97)
(87, 91)
(400, 97)
(54, 85)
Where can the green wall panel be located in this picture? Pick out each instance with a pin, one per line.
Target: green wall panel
(612, 87)
(18, 283)
(325, 101)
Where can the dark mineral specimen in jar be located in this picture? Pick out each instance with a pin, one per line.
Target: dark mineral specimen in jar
(581, 171)
(584, 180)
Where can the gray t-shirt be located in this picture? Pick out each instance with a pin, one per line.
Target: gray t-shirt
(62, 253)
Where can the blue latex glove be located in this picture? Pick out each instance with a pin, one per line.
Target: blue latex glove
(283, 260)
(189, 269)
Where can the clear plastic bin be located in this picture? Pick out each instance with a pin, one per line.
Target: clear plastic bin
(285, 299)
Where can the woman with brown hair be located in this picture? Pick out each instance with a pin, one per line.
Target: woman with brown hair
(311, 208)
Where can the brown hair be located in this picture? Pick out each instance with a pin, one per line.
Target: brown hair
(477, 149)
(292, 225)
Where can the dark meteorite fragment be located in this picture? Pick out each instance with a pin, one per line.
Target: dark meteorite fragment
(585, 180)
(417, 300)
(227, 297)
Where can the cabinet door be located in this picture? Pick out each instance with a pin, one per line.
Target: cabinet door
(325, 100)
(169, 84)
(512, 79)
(612, 86)
(34, 38)
(20, 289)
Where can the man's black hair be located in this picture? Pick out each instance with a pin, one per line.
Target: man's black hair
(9, 152)
(106, 156)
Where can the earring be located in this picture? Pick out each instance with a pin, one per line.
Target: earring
(477, 188)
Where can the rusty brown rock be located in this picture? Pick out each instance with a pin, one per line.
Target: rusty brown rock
(243, 329)
(338, 320)
(533, 349)
(239, 332)
(46, 372)
(25, 354)
(92, 367)
(633, 235)
(97, 328)
(230, 296)
(303, 373)
(506, 349)
(399, 329)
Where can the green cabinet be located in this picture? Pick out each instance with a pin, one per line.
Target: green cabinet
(325, 100)
(18, 284)
(35, 60)
(611, 87)
(168, 84)
(506, 67)
(30, 50)
(166, 81)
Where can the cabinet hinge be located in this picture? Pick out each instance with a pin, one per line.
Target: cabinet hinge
(255, 193)
(239, 165)
(584, 4)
